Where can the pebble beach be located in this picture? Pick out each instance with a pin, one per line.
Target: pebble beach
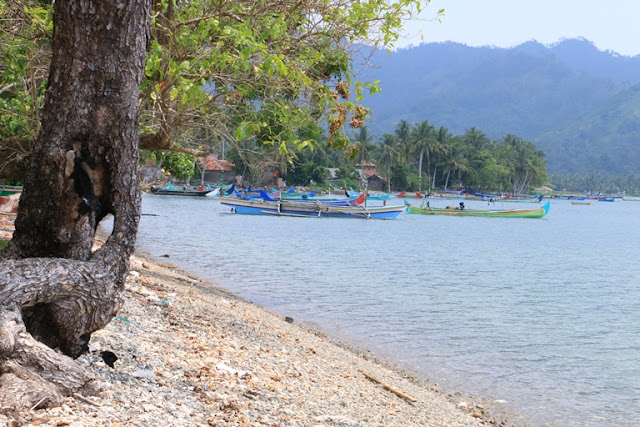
(190, 353)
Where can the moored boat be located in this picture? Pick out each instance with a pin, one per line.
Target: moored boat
(309, 209)
(461, 211)
(170, 190)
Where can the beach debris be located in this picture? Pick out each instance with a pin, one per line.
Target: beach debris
(232, 371)
(288, 319)
(391, 389)
(144, 373)
(342, 419)
(86, 399)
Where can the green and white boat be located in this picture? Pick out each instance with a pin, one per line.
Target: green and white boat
(462, 211)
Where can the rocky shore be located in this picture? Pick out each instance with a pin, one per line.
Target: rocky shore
(191, 354)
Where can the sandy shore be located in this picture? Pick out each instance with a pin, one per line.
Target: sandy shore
(191, 354)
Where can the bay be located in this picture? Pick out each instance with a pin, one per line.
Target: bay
(539, 316)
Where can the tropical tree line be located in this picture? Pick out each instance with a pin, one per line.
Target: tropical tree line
(595, 183)
(425, 157)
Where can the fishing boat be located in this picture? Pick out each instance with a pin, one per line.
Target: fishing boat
(170, 190)
(508, 197)
(523, 199)
(462, 211)
(298, 196)
(309, 208)
(378, 196)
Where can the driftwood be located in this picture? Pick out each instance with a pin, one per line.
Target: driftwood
(86, 399)
(391, 389)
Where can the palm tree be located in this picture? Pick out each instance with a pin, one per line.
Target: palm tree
(525, 162)
(388, 152)
(440, 147)
(455, 161)
(476, 139)
(422, 139)
(403, 132)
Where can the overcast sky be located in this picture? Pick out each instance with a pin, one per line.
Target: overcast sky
(609, 24)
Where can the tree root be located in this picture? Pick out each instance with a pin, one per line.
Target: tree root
(32, 374)
(71, 299)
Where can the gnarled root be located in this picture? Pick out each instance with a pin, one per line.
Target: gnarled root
(34, 375)
(77, 298)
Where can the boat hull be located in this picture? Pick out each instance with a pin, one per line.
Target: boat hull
(309, 209)
(510, 213)
(167, 192)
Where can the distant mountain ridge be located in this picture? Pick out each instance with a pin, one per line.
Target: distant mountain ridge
(534, 91)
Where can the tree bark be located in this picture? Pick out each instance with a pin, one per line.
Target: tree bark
(55, 290)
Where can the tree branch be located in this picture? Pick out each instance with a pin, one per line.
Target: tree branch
(155, 142)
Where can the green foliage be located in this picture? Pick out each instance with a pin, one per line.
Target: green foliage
(306, 173)
(400, 176)
(3, 244)
(268, 69)
(258, 71)
(178, 165)
(24, 56)
(304, 170)
(348, 177)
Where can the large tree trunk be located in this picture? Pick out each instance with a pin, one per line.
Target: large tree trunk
(55, 291)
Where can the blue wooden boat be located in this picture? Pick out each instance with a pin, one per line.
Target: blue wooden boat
(309, 209)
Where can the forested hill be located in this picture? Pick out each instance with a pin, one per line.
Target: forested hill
(604, 139)
(531, 90)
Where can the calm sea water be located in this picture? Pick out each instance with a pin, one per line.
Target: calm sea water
(540, 316)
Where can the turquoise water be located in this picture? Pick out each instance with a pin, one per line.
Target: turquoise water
(539, 316)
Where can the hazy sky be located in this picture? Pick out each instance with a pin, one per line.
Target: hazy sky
(609, 24)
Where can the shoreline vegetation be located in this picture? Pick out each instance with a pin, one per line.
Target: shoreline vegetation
(191, 353)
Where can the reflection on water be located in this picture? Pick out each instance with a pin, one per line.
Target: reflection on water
(542, 313)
